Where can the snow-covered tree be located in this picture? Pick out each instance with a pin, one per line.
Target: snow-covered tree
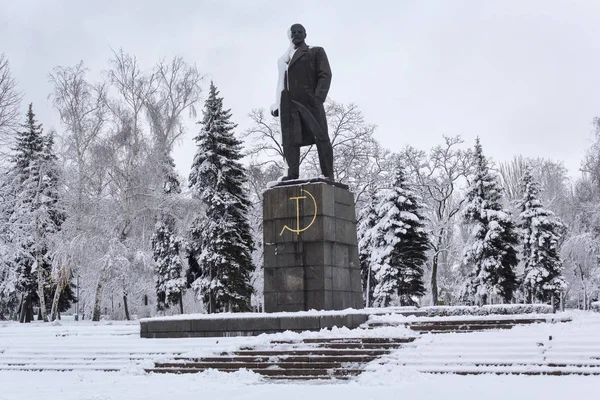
(166, 246)
(34, 215)
(541, 232)
(492, 253)
(438, 176)
(367, 220)
(399, 245)
(221, 241)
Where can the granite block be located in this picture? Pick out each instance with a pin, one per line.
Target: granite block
(341, 255)
(341, 278)
(270, 302)
(315, 300)
(343, 196)
(252, 324)
(289, 279)
(329, 321)
(174, 325)
(290, 298)
(208, 325)
(341, 300)
(304, 323)
(345, 212)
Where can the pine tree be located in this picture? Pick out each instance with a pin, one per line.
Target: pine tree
(166, 246)
(222, 240)
(34, 215)
(170, 285)
(541, 233)
(493, 253)
(367, 220)
(399, 246)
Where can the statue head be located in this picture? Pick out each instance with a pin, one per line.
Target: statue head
(297, 34)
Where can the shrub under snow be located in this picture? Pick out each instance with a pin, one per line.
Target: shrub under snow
(495, 309)
(596, 306)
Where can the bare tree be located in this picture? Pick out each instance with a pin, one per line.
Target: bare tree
(438, 176)
(10, 103)
(83, 113)
(178, 90)
(581, 255)
(263, 140)
(359, 160)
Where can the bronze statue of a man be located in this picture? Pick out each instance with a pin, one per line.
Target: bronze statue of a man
(304, 80)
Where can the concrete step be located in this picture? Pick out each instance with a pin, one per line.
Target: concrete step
(524, 371)
(446, 327)
(309, 378)
(310, 352)
(250, 365)
(41, 367)
(271, 372)
(516, 364)
(378, 340)
(373, 346)
(282, 358)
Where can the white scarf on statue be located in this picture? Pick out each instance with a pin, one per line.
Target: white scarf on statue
(282, 66)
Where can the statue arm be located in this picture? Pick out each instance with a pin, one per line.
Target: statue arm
(323, 75)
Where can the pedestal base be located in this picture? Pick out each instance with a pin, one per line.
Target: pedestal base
(310, 248)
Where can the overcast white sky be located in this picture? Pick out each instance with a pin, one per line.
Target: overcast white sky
(524, 75)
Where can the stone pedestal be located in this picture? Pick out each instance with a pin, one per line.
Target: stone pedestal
(310, 247)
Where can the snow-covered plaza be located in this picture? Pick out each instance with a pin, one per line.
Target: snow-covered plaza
(85, 349)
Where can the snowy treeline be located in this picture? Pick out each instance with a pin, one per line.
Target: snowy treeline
(100, 202)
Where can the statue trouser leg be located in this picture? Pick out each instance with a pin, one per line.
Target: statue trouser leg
(325, 157)
(292, 158)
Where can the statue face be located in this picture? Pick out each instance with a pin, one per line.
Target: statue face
(298, 34)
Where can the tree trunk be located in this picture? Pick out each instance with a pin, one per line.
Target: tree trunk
(434, 286)
(484, 299)
(26, 314)
(126, 307)
(40, 279)
(98, 301)
(55, 300)
(368, 298)
(181, 303)
(21, 307)
(434, 268)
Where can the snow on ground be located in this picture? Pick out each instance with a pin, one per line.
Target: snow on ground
(216, 386)
(389, 378)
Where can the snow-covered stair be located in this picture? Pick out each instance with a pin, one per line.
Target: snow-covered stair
(82, 347)
(308, 359)
(463, 324)
(548, 349)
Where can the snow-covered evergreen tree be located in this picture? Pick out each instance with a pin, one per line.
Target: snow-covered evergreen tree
(221, 241)
(399, 246)
(50, 216)
(492, 254)
(34, 215)
(166, 247)
(541, 232)
(367, 220)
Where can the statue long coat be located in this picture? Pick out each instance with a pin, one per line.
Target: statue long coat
(306, 83)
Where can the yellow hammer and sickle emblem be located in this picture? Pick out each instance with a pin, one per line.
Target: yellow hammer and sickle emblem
(298, 229)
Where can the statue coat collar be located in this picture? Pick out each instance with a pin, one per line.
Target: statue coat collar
(300, 51)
